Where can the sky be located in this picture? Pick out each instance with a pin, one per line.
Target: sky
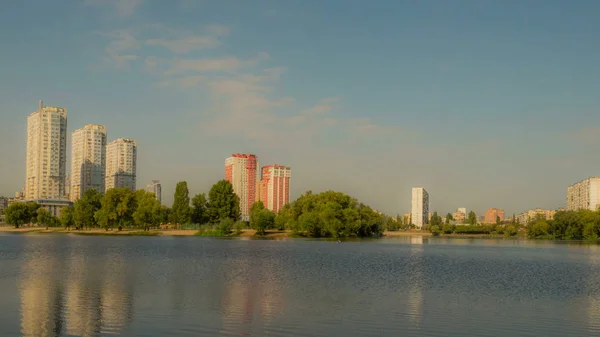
(483, 103)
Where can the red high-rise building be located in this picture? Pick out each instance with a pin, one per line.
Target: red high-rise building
(275, 186)
(241, 171)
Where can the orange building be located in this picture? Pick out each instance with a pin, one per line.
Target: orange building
(241, 171)
(275, 186)
(492, 214)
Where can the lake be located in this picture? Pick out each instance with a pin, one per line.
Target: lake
(69, 285)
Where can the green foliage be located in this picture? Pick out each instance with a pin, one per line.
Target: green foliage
(449, 218)
(571, 225)
(448, 228)
(436, 220)
(223, 203)
(265, 220)
(472, 229)
(510, 230)
(435, 230)
(498, 221)
(330, 214)
(67, 217)
(226, 225)
(255, 210)
(239, 226)
(181, 212)
(19, 213)
(223, 228)
(44, 218)
(85, 209)
(199, 204)
(118, 206)
(148, 211)
(472, 218)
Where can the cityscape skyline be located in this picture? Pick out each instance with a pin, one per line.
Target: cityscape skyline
(480, 117)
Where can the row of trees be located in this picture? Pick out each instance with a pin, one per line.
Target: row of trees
(568, 225)
(19, 214)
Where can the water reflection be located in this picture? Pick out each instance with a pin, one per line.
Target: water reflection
(84, 301)
(415, 286)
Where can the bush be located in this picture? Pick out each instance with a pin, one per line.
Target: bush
(239, 227)
(510, 230)
(225, 226)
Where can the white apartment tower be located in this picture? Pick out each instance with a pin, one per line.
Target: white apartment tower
(420, 207)
(46, 157)
(241, 170)
(584, 195)
(155, 188)
(88, 160)
(121, 157)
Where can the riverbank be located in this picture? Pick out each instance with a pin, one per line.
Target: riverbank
(171, 232)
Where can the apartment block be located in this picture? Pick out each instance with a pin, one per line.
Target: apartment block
(584, 194)
(46, 156)
(420, 207)
(121, 164)
(241, 171)
(155, 188)
(532, 214)
(88, 160)
(460, 215)
(3, 204)
(492, 214)
(274, 188)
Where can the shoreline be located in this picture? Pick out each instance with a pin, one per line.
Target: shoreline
(173, 232)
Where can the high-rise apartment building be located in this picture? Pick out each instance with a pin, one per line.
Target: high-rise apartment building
(420, 207)
(88, 160)
(121, 158)
(241, 171)
(275, 186)
(584, 194)
(155, 188)
(46, 157)
(492, 214)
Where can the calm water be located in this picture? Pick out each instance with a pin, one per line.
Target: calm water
(66, 285)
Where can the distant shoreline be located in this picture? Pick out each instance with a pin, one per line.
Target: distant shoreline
(170, 232)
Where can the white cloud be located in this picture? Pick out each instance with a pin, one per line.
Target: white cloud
(185, 45)
(123, 8)
(229, 64)
(120, 50)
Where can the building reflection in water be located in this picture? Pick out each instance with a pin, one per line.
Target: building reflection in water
(253, 297)
(73, 297)
(41, 297)
(416, 279)
(593, 297)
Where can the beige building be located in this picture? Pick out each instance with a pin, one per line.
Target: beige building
(420, 207)
(121, 166)
(525, 217)
(406, 218)
(584, 195)
(46, 157)
(460, 215)
(155, 188)
(88, 160)
(241, 170)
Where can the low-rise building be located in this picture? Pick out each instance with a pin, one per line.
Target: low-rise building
(460, 215)
(525, 217)
(492, 215)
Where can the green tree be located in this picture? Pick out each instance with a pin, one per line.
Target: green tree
(266, 220)
(199, 203)
(449, 218)
(19, 213)
(223, 203)
(448, 228)
(435, 230)
(510, 230)
(436, 220)
(472, 218)
(498, 221)
(255, 210)
(118, 206)
(44, 217)
(85, 209)
(66, 217)
(181, 212)
(147, 212)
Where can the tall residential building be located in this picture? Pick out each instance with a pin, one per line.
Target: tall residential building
(88, 160)
(46, 153)
(121, 158)
(3, 204)
(275, 186)
(584, 194)
(492, 214)
(155, 188)
(241, 171)
(420, 207)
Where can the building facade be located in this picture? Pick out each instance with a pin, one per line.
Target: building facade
(88, 160)
(3, 204)
(274, 188)
(460, 215)
(492, 214)
(155, 188)
(241, 171)
(584, 194)
(121, 164)
(46, 157)
(532, 214)
(420, 207)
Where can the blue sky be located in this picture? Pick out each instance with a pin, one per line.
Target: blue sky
(484, 103)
